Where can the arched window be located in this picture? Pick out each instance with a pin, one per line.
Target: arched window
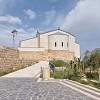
(62, 44)
(55, 44)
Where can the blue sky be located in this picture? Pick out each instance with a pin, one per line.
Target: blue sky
(81, 17)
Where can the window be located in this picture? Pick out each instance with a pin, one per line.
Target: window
(62, 44)
(55, 44)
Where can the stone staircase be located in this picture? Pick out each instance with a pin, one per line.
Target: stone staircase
(87, 90)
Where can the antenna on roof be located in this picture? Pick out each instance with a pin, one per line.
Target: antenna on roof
(58, 28)
(38, 32)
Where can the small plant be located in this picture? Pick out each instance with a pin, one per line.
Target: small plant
(94, 76)
(58, 63)
(58, 75)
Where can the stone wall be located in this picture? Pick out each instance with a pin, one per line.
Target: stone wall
(8, 53)
(9, 59)
(48, 54)
(60, 55)
(33, 55)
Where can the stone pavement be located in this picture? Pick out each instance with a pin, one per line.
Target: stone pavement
(29, 89)
(22, 85)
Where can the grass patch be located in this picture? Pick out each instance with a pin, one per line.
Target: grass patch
(4, 72)
(57, 75)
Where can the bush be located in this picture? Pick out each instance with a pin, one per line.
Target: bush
(58, 75)
(58, 63)
(84, 82)
(97, 85)
(74, 77)
(94, 76)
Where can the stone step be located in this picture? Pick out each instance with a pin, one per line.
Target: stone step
(82, 88)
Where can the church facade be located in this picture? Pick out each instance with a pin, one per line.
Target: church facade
(56, 44)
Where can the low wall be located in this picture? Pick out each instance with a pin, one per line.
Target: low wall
(60, 55)
(33, 55)
(9, 59)
(47, 54)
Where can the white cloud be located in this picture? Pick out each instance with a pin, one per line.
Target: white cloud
(52, 20)
(9, 23)
(6, 35)
(83, 20)
(10, 19)
(85, 17)
(31, 14)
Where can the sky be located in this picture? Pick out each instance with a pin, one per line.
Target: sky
(80, 17)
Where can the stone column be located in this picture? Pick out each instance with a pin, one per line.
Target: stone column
(46, 73)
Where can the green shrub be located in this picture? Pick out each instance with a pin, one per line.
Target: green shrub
(58, 63)
(74, 78)
(58, 75)
(94, 76)
(95, 84)
(84, 82)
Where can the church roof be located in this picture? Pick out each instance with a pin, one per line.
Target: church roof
(48, 32)
(56, 30)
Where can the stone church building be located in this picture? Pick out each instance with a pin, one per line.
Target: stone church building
(56, 44)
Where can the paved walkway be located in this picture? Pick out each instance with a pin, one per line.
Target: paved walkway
(22, 85)
(28, 89)
(31, 71)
